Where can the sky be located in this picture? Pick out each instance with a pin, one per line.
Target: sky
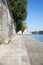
(34, 18)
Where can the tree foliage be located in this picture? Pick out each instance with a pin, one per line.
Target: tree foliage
(21, 26)
(18, 10)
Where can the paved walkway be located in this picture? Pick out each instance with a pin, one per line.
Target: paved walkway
(21, 50)
(34, 49)
(14, 53)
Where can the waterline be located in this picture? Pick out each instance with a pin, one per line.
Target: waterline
(38, 37)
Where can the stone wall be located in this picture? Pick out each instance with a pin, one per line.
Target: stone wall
(7, 29)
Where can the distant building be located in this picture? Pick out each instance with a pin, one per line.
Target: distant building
(6, 22)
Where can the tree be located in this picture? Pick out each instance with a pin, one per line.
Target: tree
(18, 10)
(21, 26)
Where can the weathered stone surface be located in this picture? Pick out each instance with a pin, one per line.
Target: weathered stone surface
(6, 22)
(14, 53)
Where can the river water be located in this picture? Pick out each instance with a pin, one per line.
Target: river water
(38, 37)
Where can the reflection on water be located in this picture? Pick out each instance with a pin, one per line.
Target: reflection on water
(38, 37)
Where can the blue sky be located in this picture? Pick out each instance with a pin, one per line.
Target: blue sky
(34, 18)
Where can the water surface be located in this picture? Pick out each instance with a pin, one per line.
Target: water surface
(38, 37)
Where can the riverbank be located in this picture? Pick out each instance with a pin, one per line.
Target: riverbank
(34, 50)
(22, 50)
